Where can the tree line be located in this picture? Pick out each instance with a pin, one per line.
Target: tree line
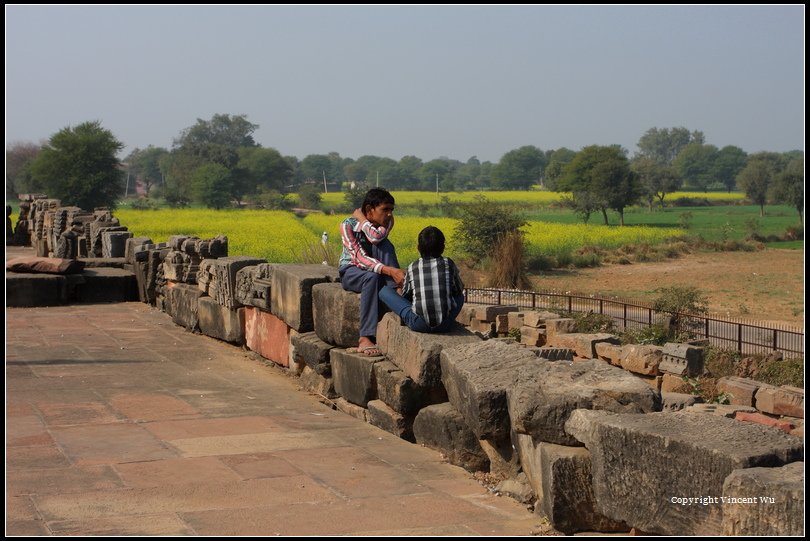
(217, 161)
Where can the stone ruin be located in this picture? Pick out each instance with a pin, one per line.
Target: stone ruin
(586, 431)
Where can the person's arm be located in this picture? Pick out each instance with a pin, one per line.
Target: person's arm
(359, 257)
(375, 234)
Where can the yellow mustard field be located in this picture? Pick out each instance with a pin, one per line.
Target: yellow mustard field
(281, 237)
(514, 197)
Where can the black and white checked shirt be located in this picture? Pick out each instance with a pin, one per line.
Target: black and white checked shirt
(430, 285)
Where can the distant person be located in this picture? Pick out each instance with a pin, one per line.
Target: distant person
(324, 238)
(433, 294)
(368, 263)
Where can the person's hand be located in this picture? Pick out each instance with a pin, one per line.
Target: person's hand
(358, 213)
(398, 275)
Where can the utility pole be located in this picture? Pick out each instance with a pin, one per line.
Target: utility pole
(126, 189)
(378, 179)
(324, 182)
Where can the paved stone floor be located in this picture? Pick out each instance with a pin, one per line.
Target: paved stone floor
(119, 422)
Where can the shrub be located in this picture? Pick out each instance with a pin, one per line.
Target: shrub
(483, 224)
(656, 335)
(721, 362)
(507, 266)
(591, 322)
(309, 197)
(678, 302)
(787, 372)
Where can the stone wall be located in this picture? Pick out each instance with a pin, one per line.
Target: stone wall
(581, 425)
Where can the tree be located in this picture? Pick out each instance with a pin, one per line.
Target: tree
(222, 130)
(19, 157)
(600, 177)
(663, 145)
(758, 175)
(440, 169)
(789, 186)
(519, 168)
(144, 165)
(212, 185)
(728, 163)
(79, 167)
(557, 161)
(309, 197)
(408, 166)
(657, 179)
(695, 165)
(315, 166)
(265, 168)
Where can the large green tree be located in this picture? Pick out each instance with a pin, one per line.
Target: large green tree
(264, 168)
(600, 176)
(758, 176)
(233, 131)
(557, 161)
(212, 185)
(695, 165)
(144, 165)
(519, 169)
(789, 186)
(657, 179)
(19, 157)
(79, 166)
(728, 163)
(664, 144)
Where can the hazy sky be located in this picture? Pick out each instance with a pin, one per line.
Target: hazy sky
(428, 81)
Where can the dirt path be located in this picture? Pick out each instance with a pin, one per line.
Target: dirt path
(756, 286)
(761, 286)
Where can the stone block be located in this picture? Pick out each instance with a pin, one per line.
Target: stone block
(502, 323)
(740, 391)
(291, 292)
(114, 243)
(220, 322)
(504, 461)
(720, 410)
(514, 320)
(417, 354)
(130, 247)
(397, 390)
(783, 400)
(307, 348)
(107, 284)
(608, 352)
(671, 383)
(317, 384)
(381, 416)
(224, 270)
(544, 394)
(699, 451)
(26, 289)
(641, 359)
(442, 427)
(681, 359)
(336, 314)
(483, 327)
(776, 505)
(533, 336)
(584, 345)
(555, 354)
(558, 326)
(465, 316)
(653, 381)
(764, 420)
(678, 401)
(536, 318)
(358, 412)
(182, 303)
(354, 376)
(560, 477)
(488, 313)
(267, 335)
(477, 377)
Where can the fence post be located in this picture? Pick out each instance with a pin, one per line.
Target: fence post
(499, 297)
(601, 311)
(624, 316)
(570, 303)
(534, 299)
(739, 337)
(775, 331)
(707, 327)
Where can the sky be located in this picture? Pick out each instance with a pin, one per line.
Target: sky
(447, 81)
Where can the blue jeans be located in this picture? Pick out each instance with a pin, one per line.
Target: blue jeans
(402, 307)
(369, 284)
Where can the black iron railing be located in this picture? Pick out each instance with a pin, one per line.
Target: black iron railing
(747, 338)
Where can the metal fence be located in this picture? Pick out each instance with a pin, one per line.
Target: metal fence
(747, 338)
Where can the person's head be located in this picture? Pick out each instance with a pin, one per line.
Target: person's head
(430, 242)
(378, 206)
